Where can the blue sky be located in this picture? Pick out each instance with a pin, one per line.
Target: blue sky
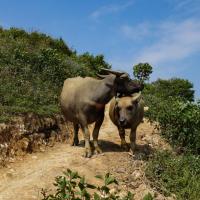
(165, 33)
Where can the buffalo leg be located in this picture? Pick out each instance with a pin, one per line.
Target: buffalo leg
(95, 134)
(76, 140)
(132, 140)
(124, 145)
(86, 133)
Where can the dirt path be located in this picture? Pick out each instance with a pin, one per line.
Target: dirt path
(24, 179)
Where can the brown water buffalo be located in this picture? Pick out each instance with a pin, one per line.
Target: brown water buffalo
(83, 102)
(127, 113)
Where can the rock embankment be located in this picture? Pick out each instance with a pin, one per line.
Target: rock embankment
(31, 133)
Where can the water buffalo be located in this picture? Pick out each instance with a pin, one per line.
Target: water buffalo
(83, 102)
(127, 113)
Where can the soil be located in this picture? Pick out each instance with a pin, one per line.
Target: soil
(26, 176)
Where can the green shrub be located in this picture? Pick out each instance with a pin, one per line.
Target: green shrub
(178, 121)
(148, 197)
(72, 186)
(174, 87)
(92, 63)
(172, 174)
(33, 67)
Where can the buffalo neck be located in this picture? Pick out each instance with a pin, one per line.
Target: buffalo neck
(105, 92)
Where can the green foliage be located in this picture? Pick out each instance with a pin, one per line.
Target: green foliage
(175, 87)
(179, 175)
(142, 71)
(148, 197)
(178, 121)
(93, 63)
(177, 117)
(33, 67)
(32, 41)
(72, 186)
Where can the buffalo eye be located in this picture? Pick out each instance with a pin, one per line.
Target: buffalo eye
(129, 108)
(118, 108)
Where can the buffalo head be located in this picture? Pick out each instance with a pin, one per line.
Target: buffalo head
(126, 108)
(124, 85)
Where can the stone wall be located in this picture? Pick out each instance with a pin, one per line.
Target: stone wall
(31, 133)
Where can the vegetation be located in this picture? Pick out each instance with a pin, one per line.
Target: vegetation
(33, 67)
(142, 71)
(179, 121)
(148, 197)
(171, 104)
(177, 174)
(93, 64)
(175, 87)
(72, 186)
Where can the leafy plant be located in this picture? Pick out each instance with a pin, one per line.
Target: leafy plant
(33, 67)
(148, 197)
(178, 121)
(172, 174)
(174, 87)
(72, 186)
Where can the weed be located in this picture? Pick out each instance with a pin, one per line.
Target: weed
(72, 186)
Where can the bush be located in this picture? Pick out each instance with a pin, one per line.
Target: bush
(148, 197)
(92, 63)
(174, 87)
(33, 67)
(72, 186)
(179, 175)
(179, 122)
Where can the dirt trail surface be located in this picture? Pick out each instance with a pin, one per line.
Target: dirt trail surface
(23, 179)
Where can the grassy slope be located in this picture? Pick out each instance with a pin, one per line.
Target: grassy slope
(176, 172)
(33, 67)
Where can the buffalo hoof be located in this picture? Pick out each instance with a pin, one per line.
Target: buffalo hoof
(88, 153)
(125, 147)
(133, 148)
(76, 142)
(97, 150)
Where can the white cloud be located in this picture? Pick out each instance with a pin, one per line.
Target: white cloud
(172, 43)
(186, 5)
(176, 41)
(182, 4)
(108, 9)
(136, 32)
(184, 8)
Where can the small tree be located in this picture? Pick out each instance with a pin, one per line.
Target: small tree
(142, 71)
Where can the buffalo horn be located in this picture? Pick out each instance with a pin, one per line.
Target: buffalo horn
(117, 73)
(124, 75)
(136, 96)
(101, 76)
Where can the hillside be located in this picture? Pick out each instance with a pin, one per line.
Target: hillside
(33, 134)
(25, 178)
(33, 67)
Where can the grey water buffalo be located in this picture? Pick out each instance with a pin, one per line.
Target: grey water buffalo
(127, 113)
(83, 102)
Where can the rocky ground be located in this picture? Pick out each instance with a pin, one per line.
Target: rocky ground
(24, 176)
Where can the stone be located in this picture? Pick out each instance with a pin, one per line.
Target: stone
(136, 175)
(121, 170)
